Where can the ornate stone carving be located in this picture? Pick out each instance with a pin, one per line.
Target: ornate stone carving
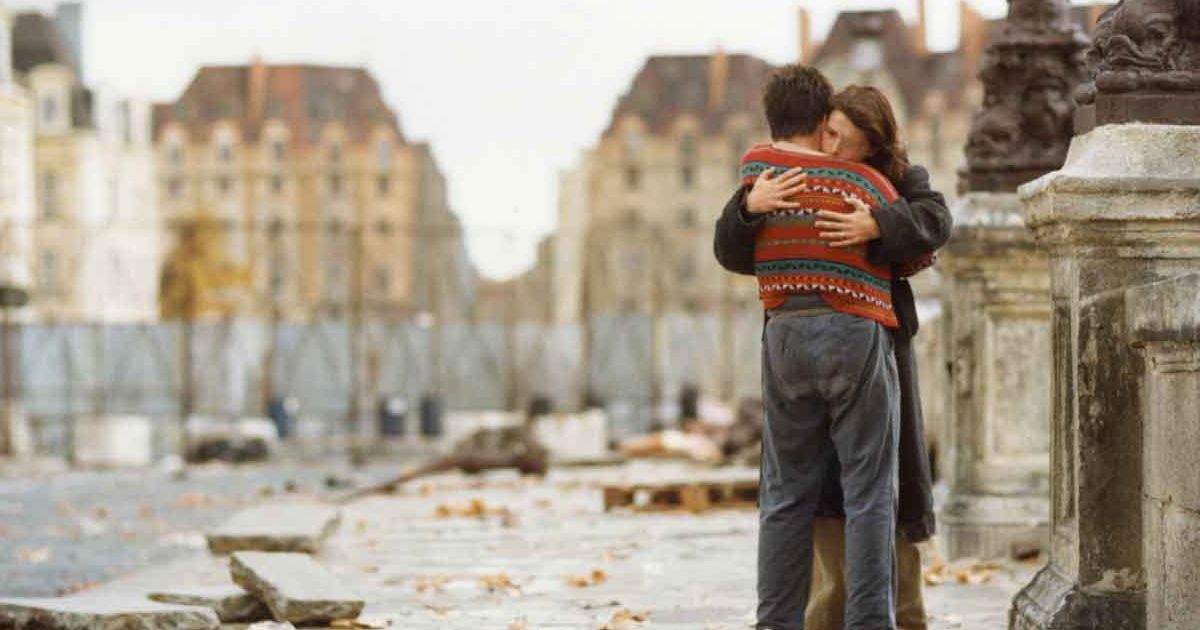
(1144, 65)
(1029, 74)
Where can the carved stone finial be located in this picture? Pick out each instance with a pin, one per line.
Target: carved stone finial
(1029, 75)
(1144, 65)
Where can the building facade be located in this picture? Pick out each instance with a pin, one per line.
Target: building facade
(322, 205)
(94, 233)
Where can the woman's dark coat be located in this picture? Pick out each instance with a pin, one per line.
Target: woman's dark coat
(918, 224)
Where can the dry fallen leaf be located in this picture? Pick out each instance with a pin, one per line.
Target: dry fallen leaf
(36, 555)
(498, 582)
(596, 577)
(429, 584)
(624, 619)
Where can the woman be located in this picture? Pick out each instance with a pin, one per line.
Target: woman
(863, 128)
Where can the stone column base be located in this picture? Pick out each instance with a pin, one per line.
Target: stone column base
(981, 526)
(1053, 602)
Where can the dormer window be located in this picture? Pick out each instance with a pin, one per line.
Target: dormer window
(49, 110)
(224, 152)
(383, 153)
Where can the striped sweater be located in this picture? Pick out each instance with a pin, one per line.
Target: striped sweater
(791, 258)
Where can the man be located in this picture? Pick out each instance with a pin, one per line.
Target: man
(904, 230)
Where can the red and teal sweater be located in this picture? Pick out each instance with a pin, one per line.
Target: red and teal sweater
(790, 257)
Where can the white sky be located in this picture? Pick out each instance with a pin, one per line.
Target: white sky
(507, 92)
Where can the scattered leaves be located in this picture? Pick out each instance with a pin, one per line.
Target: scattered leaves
(361, 622)
(475, 508)
(624, 619)
(431, 584)
(596, 578)
(499, 582)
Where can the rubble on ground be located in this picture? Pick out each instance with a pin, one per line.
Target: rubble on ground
(295, 587)
(86, 612)
(296, 527)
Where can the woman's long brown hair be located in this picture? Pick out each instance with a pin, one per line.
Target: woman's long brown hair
(871, 112)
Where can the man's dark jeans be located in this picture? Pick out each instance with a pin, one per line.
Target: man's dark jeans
(829, 385)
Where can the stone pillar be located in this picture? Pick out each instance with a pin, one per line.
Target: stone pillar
(1121, 221)
(997, 324)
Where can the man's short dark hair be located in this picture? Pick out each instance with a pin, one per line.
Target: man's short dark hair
(796, 99)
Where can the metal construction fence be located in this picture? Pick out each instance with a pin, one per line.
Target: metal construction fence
(336, 374)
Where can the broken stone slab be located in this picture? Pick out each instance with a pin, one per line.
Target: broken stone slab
(298, 527)
(295, 587)
(231, 603)
(89, 612)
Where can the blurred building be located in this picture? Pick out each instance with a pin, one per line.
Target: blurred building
(658, 178)
(322, 204)
(17, 205)
(935, 94)
(94, 234)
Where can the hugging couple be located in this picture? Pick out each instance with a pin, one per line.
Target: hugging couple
(831, 217)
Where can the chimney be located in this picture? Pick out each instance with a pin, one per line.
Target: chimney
(806, 42)
(972, 38)
(920, 35)
(718, 78)
(256, 93)
(68, 20)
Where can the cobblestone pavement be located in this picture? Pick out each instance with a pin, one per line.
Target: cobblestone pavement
(509, 553)
(66, 531)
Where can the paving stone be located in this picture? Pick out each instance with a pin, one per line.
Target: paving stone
(271, 625)
(83, 612)
(300, 527)
(295, 587)
(231, 602)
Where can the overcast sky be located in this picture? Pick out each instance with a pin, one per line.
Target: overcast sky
(507, 92)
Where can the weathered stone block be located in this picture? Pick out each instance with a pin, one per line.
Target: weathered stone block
(298, 527)
(231, 603)
(85, 612)
(295, 587)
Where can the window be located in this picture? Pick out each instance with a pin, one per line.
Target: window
(224, 185)
(867, 54)
(276, 184)
(633, 177)
(174, 187)
(277, 150)
(383, 153)
(687, 175)
(689, 218)
(384, 184)
(278, 277)
(49, 110)
(687, 157)
(48, 272)
(384, 228)
(224, 152)
(335, 184)
(383, 279)
(335, 152)
(49, 195)
(175, 154)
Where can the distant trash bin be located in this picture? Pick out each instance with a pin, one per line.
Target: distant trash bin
(393, 412)
(431, 416)
(283, 411)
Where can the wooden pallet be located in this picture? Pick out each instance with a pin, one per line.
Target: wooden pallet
(696, 496)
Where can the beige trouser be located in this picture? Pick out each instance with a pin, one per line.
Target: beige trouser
(827, 597)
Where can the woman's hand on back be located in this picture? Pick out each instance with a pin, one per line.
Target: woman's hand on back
(771, 193)
(847, 229)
